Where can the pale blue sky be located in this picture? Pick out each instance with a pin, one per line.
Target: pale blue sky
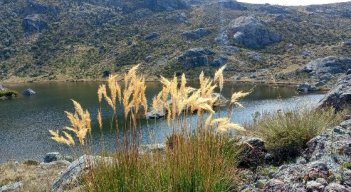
(293, 2)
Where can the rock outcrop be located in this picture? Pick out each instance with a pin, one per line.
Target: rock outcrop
(321, 167)
(340, 96)
(34, 23)
(251, 32)
(197, 57)
(331, 64)
(196, 34)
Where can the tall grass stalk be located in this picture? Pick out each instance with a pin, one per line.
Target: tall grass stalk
(198, 160)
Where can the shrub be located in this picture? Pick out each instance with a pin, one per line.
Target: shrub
(286, 133)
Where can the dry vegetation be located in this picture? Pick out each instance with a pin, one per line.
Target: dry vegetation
(198, 160)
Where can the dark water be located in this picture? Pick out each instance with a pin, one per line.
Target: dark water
(25, 121)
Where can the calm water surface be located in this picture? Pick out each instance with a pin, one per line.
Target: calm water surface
(25, 121)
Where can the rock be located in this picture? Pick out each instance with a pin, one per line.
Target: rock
(222, 39)
(197, 57)
(221, 60)
(347, 43)
(29, 92)
(152, 148)
(335, 187)
(177, 18)
(71, 176)
(2, 88)
(306, 88)
(252, 152)
(229, 50)
(273, 9)
(339, 96)
(34, 23)
(148, 58)
(221, 101)
(12, 187)
(155, 114)
(233, 5)
(41, 8)
(290, 47)
(275, 185)
(347, 178)
(251, 32)
(151, 36)
(196, 34)
(306, 53)
(326, 77)
(314, 186)
(254, 56)
(331, 65)
(52, 156)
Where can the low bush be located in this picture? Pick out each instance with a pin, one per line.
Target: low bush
(286, 133)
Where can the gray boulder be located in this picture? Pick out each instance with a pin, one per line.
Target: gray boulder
(11, 187)
(252, 152)
(331, 64)
(251, 32)
(29, 92)
(347, 43)
(339, 96)
(197, 57)
(71, 176)
(34, 23)
(217, 62)
(229, 50)
(254, 56)
(2, 88)
(151, 36)
(222, 39)
(196, 34)
(52, 156)
(155, 114)
(306, 88)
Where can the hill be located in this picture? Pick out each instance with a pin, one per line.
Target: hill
(71, 40)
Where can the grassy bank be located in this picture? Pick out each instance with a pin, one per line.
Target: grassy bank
(7, 93)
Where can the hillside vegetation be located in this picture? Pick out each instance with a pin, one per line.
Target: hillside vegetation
(68, 40)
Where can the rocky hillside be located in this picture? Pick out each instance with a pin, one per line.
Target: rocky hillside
(65, 39)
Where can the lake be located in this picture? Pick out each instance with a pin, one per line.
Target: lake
(25, 121)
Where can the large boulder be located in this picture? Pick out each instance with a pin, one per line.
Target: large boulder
(12, 187)
(34, 23)
(338, 97)
(29, 92)
(196, 34)
(70, 178)
(252, 152)
(331, 64)
(197, 57)
(251, 32)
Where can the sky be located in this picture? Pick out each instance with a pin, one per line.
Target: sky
(293, 2)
